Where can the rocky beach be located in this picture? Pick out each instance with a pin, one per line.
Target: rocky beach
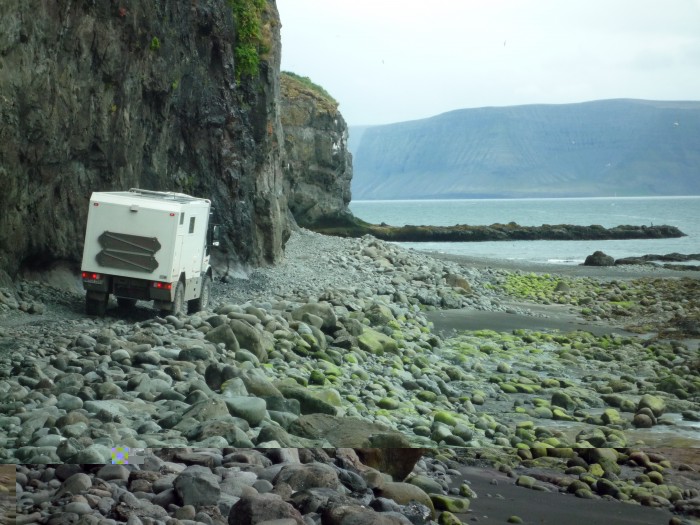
(339, 486)
(358, 343)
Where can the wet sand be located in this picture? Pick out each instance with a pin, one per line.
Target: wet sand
(573, 270)
(536, 317)
(497, 502)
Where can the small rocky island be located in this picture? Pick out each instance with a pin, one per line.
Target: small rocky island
(497, 232)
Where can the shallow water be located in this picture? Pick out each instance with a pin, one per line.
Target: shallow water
(682, 212)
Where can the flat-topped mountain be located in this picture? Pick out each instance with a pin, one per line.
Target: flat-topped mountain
(603, 148)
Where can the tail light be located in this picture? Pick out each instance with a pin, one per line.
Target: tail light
(162, 286)
(92, 277)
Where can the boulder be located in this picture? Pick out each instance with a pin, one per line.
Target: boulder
(354, 515)
(397, 462)
(347, 431)
(598, 258)
(197, 486)
(322, 310)
(457, 281)
(207, 409)
(252, 409)
(318, 499)
(252, 509)
(376, 342)
(308, 402)
(309, 475)
(404, 493)
(654, 403)
(251, 339)
(223, 334)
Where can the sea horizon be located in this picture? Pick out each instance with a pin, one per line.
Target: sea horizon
(451, 199)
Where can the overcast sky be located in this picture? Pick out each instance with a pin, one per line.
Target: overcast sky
(394, 60)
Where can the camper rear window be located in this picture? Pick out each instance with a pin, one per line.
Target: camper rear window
(182, 218)
(192, 224)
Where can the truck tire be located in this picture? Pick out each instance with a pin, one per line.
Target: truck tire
(125, 303)
(177, 307)
(96, 307)
(201, 302)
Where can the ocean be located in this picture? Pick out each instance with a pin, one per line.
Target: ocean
(682, 212)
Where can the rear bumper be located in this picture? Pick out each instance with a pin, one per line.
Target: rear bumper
(128, 287)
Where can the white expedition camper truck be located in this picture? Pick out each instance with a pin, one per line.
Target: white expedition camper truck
(150, 246)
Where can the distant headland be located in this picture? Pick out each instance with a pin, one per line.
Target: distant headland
(620, 147)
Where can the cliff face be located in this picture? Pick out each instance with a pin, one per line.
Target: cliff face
(318, 166)
(98, 96)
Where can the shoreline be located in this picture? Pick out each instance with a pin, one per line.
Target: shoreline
(573, 270)
(355, 227)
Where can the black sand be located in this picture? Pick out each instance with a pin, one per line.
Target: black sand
(496, 503)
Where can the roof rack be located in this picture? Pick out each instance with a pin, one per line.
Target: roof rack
(165, 195)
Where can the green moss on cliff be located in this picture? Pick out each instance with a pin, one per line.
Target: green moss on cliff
(295, 85)
(250, 44)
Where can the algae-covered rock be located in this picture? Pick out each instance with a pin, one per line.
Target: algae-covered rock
(559, 414)
(403, 493)
(379, 315)
(447, 518)
(526, 481)
(450, 503)
(388, 403)
(309, 403)
(428, 484)
(376, 342)
(563, 400)
(442, 416)
(607, 458)
(466, 491)
(611, 416)
(656, 404)
(323, 310)
(606, 487)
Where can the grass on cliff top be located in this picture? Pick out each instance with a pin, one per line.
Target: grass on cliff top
(293, 82)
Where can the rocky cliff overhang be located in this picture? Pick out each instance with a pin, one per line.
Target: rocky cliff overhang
(98, 96)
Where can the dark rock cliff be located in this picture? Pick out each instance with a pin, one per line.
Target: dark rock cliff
(98, 96)
(318, 166)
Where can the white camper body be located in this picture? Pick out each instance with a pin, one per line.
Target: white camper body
(147, 245)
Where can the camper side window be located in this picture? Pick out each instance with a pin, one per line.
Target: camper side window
(182, 218)
(192, 224)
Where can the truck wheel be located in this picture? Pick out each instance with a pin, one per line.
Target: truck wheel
(125, 303)
(201, 302)
(96, 307)
(177, 307)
